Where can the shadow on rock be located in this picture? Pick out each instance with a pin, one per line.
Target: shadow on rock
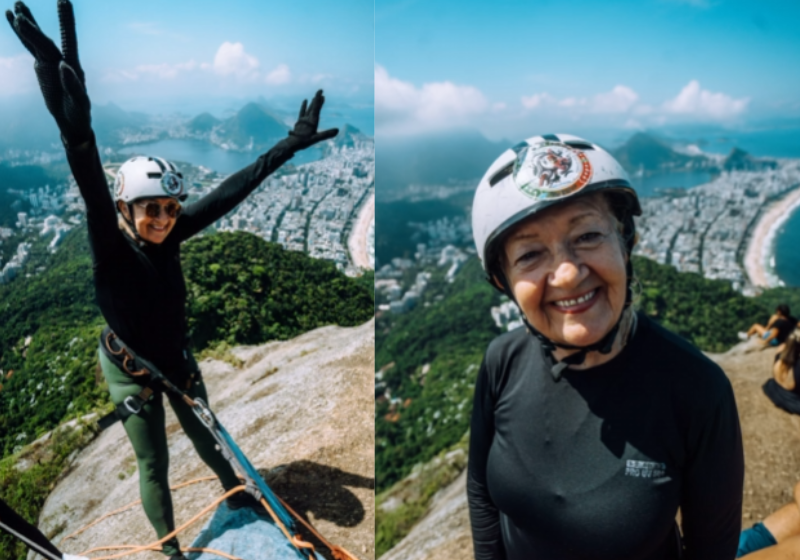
(310, 487)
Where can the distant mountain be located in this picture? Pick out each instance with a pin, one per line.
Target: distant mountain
(739, 160)
(111, 123)
(252, 128)
(202, 123)
(643, 152)
(434, 159)
(348, 137)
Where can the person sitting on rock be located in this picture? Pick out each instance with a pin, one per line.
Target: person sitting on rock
(784, 387)
(775, 538)
(778, 328)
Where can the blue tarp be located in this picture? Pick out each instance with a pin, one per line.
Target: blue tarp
(245, 534)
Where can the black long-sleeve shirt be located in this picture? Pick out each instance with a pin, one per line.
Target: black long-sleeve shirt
(595, 467)
(140, 289)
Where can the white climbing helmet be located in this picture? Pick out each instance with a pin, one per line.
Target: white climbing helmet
(148, 177)
(540, 172)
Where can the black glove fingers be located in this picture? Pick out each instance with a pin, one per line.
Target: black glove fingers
(325, 135)
(21, 9)
(303, 109)
(45, 49)
(11, 20)
(69, 40)
(316, 106)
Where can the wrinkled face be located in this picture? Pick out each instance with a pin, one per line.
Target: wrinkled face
(566, 268)
(152, 230)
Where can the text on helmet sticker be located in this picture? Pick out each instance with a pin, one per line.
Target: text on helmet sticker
(551, 170)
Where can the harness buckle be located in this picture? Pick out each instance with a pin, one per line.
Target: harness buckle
(132, 405)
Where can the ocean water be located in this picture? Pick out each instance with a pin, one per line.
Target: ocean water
(650, 186)
(787, 251)
(212, 157)
(787, 239)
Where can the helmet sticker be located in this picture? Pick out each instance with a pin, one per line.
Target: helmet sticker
(172, 184)
(551, 170)
(119, 184)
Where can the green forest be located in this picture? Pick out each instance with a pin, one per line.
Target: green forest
(242, 290)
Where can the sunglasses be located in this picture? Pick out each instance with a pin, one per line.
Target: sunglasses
(153, 209)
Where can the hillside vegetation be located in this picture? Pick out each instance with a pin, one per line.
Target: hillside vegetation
(242, 290)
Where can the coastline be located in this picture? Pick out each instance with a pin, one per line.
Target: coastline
(760, 248)
(357, 243)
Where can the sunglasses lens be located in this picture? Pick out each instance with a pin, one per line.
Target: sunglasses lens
(152, 209)
(172, 209)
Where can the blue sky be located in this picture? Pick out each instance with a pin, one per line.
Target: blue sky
(176, 53)
(506, 66)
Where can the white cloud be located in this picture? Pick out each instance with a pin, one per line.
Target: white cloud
(402, 107)
(537, 99)
(163, 71)
(16, 74)
(280, 75)
(231, 59)
(696, 102)
(166, 71)
(618, 100)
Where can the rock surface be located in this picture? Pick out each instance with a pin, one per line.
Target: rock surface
(301, 410)
(772, 465)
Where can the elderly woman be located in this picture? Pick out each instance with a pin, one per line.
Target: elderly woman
(135, 241)
(593, 426)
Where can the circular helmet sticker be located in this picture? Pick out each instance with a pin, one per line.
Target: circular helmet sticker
(119, 184)
(551, 170)
(172, 184)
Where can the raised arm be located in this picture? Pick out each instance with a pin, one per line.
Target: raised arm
(235, 188)
(62, 83)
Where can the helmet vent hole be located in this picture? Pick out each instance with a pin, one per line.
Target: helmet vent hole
(502, 174)
(151, 175)
(579, 145)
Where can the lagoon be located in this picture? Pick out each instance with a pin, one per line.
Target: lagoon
(198, 152)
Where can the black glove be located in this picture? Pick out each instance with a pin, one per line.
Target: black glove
(60, 75)
(305, 129)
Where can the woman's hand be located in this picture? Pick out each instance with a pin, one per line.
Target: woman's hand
(305, 132)
(59, 72)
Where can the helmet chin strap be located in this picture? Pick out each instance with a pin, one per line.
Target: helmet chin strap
(131, 224)
(604, 345)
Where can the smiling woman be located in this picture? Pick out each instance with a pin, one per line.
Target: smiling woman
(135, 241)
(592, 425)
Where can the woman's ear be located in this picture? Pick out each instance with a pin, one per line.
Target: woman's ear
(123, 208)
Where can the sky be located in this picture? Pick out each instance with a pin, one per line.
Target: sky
(158, 56)
(509, 67)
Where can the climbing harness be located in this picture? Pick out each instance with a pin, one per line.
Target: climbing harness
(254, 483)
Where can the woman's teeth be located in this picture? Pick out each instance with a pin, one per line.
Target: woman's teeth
(571, 302)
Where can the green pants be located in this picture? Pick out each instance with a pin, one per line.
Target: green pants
(148, 436)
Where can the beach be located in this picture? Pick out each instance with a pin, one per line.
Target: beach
(357, 243)
(762, 240)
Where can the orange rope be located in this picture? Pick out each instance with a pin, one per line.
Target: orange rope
(157, 544)
(130, 505)
(338, 552)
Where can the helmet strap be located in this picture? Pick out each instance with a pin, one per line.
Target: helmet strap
(131, 224)
(604, 345)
